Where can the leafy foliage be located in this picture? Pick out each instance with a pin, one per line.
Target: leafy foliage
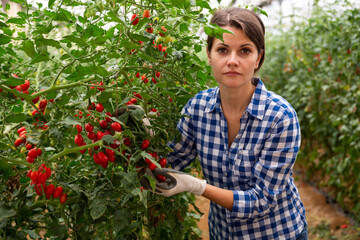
(77, 55)
(315, 66)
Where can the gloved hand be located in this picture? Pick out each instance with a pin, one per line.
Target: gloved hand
(176, 182)
(145, 121)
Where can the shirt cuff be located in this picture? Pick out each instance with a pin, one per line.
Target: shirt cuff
(242, 205)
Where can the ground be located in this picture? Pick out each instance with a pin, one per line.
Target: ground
(325, 221)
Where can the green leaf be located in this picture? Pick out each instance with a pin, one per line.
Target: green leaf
(197, 48)
(3, 146)
(140, 37)
(128, 180)
(184, 27)
(70, 120)
(138, 114)
(2, 25)
(112, 16)
(57, 230)
(110, 33)
(19, 21)
(108, 139)
(203, 4)
(122, 219)
(215, 31)
(47, 42)
(51, 3)
(64, 99)
(74, 39)
(101, 71)
(14, 81)
(22, 15)
(39, 58)
(177, 3)
(78, 74)
(16, 118)
(98, 208)
(18, 1)
(100, 40)
(17, 108)
(28, 48)
(6, 213)
(51, 95)
(32, 234)
(4, 39)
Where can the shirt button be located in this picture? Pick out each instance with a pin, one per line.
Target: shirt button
(225, 174)
(226, 152)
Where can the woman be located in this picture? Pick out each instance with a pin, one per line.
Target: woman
(246, 138)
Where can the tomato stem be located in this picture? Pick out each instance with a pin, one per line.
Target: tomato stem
(67, 151)
(14, 161)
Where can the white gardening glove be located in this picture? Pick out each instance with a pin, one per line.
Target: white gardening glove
(176, 182)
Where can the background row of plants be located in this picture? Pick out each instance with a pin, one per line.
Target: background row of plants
(316, 67)
(66, 167)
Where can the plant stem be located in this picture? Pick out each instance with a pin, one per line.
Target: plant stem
(26, 97)
(70, 85)
(127, 78)
(37, 83)
(57, 76)
(67, 151)
(14, 161)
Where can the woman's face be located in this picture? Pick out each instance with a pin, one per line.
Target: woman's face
(233, 61)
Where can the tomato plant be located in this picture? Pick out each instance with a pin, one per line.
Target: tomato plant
(316, 68)
(69, 161)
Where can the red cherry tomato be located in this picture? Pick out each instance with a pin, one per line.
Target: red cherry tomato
(57, 192)
(103, 124)
(99, 107)
(63, 198)
(89, 127)
(116, 126)
(79, 128)
(162, 162)
(32, 153)
(79, 139)
(145, 144)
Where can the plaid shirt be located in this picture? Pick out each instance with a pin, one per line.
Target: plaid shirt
(257, 167)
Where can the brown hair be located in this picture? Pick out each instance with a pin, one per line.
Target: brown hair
(248, 21)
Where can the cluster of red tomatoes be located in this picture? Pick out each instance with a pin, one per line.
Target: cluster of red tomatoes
(95, 133)
(33, 152)
(39, 178)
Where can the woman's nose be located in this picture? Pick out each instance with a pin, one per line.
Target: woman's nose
(233, 60)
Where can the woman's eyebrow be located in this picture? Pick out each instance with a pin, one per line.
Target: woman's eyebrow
(225, 45)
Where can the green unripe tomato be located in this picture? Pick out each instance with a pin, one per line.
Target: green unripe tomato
(159, 40)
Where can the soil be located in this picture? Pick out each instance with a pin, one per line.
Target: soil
(319, 214)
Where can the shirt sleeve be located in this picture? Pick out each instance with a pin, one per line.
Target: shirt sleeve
(184, 149)
(272, 171)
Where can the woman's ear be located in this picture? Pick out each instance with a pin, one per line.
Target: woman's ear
(208, 56)
(259, 58)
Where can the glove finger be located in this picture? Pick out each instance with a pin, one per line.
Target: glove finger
(170, 181)
(146, 124)
(119, 111)
(145, 182)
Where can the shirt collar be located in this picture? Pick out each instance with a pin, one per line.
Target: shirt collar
(256, 106)
(214, 102)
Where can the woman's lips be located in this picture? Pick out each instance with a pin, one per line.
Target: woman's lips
(232, 73)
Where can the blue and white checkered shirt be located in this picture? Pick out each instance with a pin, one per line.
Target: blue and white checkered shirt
(257, 167)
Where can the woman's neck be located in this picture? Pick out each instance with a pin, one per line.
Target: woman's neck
(236, 100)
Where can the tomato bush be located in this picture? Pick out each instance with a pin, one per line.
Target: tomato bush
(69, 166)
(316, 67)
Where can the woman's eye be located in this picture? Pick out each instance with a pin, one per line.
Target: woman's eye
(221, 50)
(245, 50)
